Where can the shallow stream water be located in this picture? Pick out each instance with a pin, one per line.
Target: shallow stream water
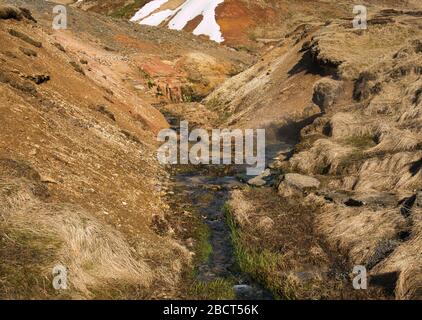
(209, 194)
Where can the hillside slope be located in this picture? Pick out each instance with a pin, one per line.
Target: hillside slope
(354, 175)
(80, 184)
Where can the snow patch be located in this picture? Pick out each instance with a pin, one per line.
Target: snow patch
(178, 18)
(147, 9)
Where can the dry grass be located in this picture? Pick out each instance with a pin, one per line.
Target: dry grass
(346, 124)
(288, 256)
(93, 252)
(407, 261)
(323, 157)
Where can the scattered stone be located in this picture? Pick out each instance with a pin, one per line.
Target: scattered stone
(77, 67)
(59, 46)
(353, 203)
(375, 199)
(28, 52)
(83, 61)
(24, 86)
(260, 181)
(9, 12)
(379, 199)
(25, 38)
(111, 93)
(294, 183)
(130, 136)
(39, 78)
(276, 164)
(243, 290)
(47, 179)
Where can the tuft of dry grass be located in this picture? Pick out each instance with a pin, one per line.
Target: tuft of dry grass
(93, 252)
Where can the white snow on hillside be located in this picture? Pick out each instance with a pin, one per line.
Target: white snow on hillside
(178, 18)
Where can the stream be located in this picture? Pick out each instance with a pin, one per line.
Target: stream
(208, 191)
(222, 262)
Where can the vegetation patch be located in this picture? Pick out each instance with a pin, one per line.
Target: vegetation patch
(27, 259)
(277, 244)
(361, 142)
(219, 289)
(307, 142)
(128, 10)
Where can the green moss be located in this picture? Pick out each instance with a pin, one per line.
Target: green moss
(129, 9)
(219, 289)
(361, 142)
(262, 265)
(203, 248)
(26, 259)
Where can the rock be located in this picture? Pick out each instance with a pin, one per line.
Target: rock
(139, 87)
(39, 78)
(13, 81)
(371, 199)
(27, 14)
(260, 181)
(47, 179)
(10, 12)
(25, 38)
(77, 67)
(353, 203)
(325, 92)
(28, 52)
(59, 46)
(276, 164)
(243, 291)
(294, 183)
(378, 199)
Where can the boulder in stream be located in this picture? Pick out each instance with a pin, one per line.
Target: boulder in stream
(261, 180)
(294, 183)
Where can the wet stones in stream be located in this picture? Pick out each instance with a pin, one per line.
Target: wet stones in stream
(209, 195)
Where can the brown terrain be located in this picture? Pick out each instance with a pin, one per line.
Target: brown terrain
(80, 185)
